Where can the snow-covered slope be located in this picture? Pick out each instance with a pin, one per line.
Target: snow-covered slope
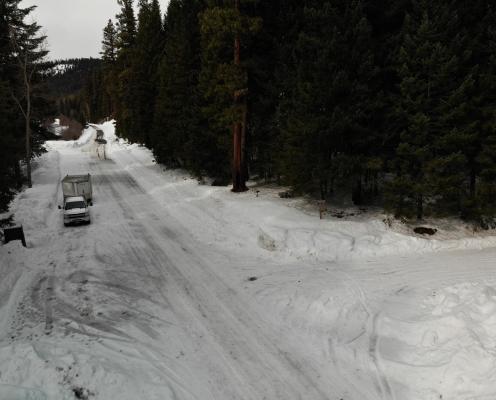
(183, 291)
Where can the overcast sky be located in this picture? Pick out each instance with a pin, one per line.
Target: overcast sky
(74, 27)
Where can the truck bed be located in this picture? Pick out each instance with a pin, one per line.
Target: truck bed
(77, 185)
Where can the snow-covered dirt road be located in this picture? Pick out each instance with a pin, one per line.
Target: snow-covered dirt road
(182, 291)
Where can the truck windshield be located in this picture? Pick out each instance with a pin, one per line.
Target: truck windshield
(75, 204)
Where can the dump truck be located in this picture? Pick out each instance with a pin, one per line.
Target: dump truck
(78, 185)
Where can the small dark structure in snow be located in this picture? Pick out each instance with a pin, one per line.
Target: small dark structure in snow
(15, 233)
(288, 194)
(422, 230)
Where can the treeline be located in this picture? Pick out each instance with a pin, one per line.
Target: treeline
(21, 103)
(66, 77)
(392, 101)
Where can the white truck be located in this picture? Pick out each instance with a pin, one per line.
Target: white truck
(78, 195)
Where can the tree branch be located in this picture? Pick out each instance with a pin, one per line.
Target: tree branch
(18, 103)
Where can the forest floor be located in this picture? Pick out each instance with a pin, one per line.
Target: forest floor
(184, 291)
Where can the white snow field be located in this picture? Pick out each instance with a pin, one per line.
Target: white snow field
(183, 291)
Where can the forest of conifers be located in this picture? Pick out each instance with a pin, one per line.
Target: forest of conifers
(21, 52)
(392, 102)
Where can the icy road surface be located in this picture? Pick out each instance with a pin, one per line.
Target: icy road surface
(181, 291)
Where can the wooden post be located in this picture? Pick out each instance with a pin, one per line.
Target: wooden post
(322, 208)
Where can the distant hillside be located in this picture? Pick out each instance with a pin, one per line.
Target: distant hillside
(68, 77)
(69, 84)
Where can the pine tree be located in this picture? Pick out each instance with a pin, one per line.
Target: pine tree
(181, 137)
(484, 54)
(427, 68)
(149, 48)
(268, 53)
(326, 113)
(224, 78)
(126, 51)
(109, 43)
(126, 28)
(10, 145)
(109, 58)
(26, 46)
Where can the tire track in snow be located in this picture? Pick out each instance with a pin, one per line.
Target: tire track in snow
(50, 293)
(382, 382)
(139, 254)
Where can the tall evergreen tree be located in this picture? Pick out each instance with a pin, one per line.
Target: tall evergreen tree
(181, 137)
(428, 72)
(326, 113)
(109, 43)
(27, 50)
(109, 58)
(268, 54)
(484, 56)
(126, 39)
(149, 48)
(224, 77)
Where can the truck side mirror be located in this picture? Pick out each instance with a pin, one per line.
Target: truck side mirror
(60, 208)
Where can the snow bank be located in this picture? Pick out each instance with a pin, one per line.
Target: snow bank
(301, 236)
(10, 392)
(68, 371)
(88, 136)
(86, 142)
(448, 351)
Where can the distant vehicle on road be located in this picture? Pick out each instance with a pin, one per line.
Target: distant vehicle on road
(76, 211)
(78, 185)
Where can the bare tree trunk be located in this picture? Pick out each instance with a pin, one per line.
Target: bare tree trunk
(27, 75)
(239, 178)
(244, 163)
(473, 180)
(17, 174)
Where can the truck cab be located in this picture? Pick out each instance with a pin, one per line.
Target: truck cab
(76, 211)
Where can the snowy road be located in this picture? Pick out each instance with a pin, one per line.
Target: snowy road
(179, 291)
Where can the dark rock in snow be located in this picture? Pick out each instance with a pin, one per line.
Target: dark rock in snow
(422, 230)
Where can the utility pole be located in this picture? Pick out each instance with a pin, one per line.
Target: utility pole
(239, 128)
